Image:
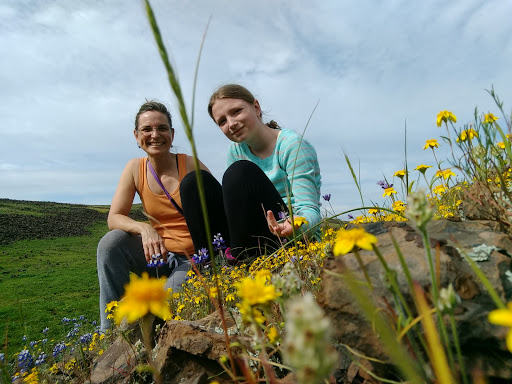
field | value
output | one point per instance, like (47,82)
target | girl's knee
(239,171)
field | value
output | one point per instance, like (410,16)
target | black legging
(237,210)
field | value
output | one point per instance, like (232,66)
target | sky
(74,73)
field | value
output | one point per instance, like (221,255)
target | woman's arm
(120,208)
(300,162)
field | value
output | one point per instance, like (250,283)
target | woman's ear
(136,134)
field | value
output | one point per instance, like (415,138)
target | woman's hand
(152,243)
(283,229)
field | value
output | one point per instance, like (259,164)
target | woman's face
(154,134)
(237,118)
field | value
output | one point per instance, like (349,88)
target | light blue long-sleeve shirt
(293,169)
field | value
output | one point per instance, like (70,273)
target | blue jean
(120,253)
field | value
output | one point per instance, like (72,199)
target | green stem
(146,323)
(363,268)
(462,369)
(428,253)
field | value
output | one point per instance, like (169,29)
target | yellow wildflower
(398,206)
(256,291)
(440,189)
(263,273)
(501,145)
(431,143)
(214,292)
(298,221)
(273,335)
(32,378)
(373,211)
(490,118)
(250,313)
(54,368)
(143,295)
(445,174)
(110,306)
(503,317)
(467,133)
(422,168)
(347,239)
(444,116)
(388,191)
(400,173)
(230,297)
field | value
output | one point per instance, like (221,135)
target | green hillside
(48,267)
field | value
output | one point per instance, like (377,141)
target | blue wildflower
(32,344)
(66,320)
(73,332)
(24,338)
(218,242)
(41,358)
(156,261)
(86,339)
(58,348)
(25,360)
(46,330)
(2,357)
(327,197)
(81,318)
(94,322)
(44,341)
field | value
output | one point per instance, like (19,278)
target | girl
(266,166)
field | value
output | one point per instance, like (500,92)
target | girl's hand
(283,229)
(152,243)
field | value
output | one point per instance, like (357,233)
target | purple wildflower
(281,215)
(350,217)
(327,197)
(384,184)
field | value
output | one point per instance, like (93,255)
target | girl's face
(153,133)
(237,118)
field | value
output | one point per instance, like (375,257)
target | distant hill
(20,219)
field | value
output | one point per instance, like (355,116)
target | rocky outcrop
(480,239)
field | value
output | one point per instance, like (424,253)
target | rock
(187,352)
(115,364)
(477,336)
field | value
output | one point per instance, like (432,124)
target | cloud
(75,74)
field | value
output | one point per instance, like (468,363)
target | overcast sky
(73,74)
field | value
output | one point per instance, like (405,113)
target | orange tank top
(168,222)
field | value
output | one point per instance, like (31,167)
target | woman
(266,165)
(163,182)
